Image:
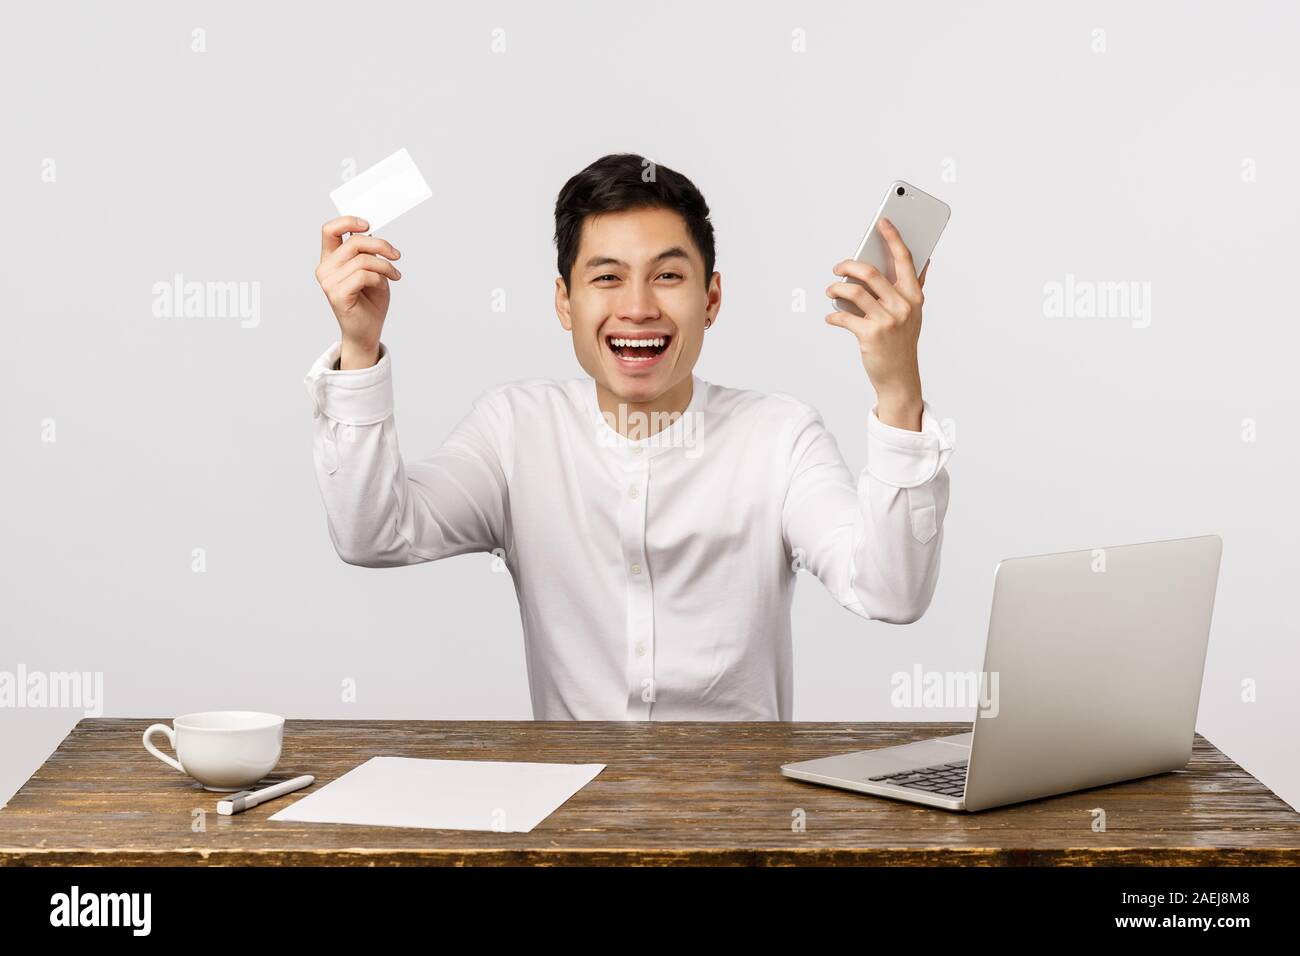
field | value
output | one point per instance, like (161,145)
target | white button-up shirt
(654,577)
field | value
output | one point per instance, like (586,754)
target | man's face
(638,303)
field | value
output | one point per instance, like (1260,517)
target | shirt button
(640,648)
(636,569)
(636,449)
(633,492)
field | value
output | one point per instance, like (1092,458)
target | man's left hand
(888,331)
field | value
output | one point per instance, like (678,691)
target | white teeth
(637,343)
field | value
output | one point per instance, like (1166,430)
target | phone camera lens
(900,190)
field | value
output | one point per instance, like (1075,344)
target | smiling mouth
(640,349)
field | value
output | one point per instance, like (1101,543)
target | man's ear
(562,304)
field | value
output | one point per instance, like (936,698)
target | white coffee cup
(225,750)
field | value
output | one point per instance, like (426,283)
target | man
(653,522)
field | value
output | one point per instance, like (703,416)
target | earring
(707,323)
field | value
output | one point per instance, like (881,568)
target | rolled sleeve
(362,396)
(902,458)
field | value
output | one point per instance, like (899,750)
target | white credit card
(383,192)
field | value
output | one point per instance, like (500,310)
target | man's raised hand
(354,276)
(888,330)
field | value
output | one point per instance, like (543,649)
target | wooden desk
(671,793)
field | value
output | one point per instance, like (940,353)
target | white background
(173,434)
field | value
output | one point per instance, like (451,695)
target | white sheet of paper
(444,794)
(383,192)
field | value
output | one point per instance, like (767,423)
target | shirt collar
(686,431)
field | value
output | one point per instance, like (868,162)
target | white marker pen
(239,802)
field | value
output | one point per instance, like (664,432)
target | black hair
(622,181)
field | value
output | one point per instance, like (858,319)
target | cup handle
(171,736)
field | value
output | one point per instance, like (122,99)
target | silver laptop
(1098,657)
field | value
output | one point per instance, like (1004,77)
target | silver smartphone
(920,219)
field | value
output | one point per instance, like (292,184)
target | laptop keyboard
(948,779)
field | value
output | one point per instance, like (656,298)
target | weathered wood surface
(671,793)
